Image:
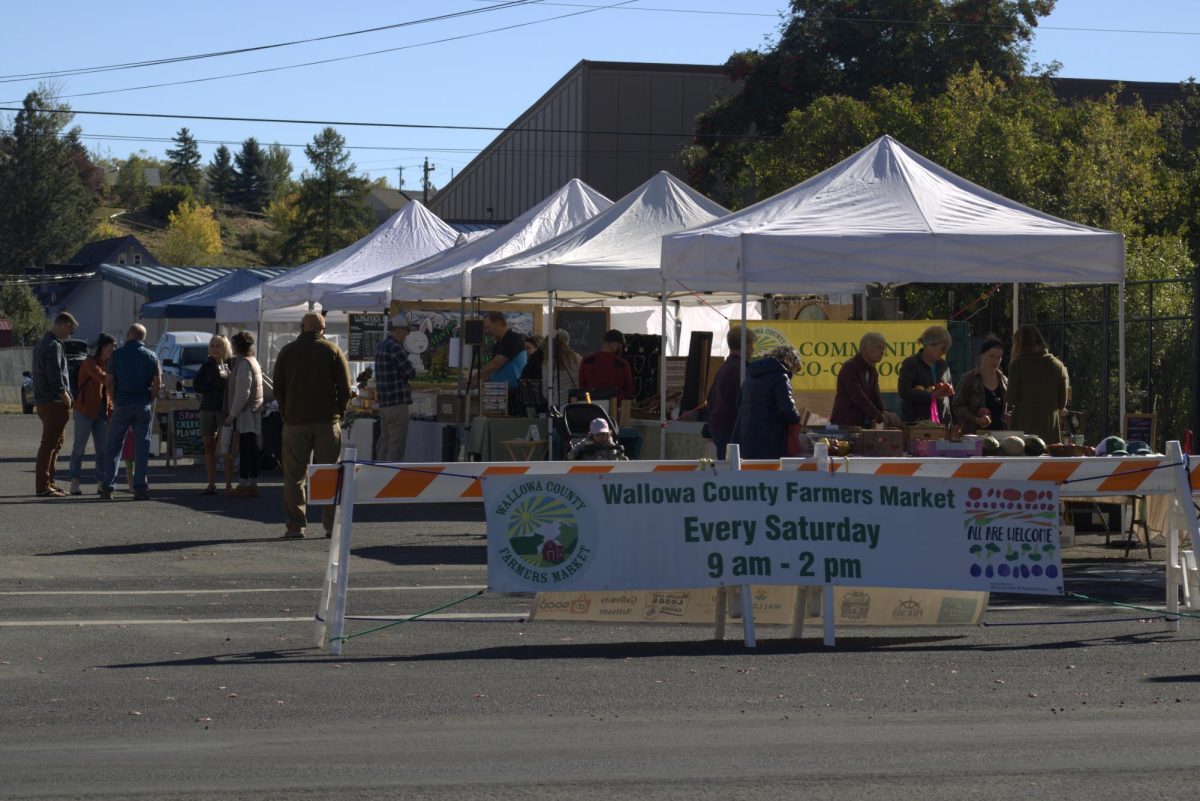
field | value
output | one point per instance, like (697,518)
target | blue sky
(485,79)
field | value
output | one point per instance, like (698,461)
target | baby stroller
(571,424)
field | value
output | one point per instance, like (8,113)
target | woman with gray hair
(920,375)
(766,407)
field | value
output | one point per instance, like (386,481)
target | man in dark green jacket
(312,386)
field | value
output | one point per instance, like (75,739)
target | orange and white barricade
(359,483)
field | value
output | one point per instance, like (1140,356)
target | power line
(402,125)
(30,76)
(264,70)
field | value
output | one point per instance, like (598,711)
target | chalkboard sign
(366,332)
(586,328)
(185,428)
(1140,428)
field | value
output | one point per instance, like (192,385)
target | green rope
(1161,612)
(407,619)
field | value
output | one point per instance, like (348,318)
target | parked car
(182,353)
(76,351)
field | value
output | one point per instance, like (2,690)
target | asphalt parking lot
(163,650)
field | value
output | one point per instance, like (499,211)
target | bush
(164,200)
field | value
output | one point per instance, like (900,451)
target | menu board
(586,327)
(366,332)
(1140,428)
(185,428)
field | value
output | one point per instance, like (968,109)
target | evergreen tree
(45,206)
(249,186)
(220,176)
(331,213)
(184,161)
(277,172)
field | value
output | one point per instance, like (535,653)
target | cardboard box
(912,432)
(881,442)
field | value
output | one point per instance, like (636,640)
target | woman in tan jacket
(244,396)
(1037,386)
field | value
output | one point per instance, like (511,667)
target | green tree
(45,204)
(162,200)
(21,308)
(848,47)
(330,211)
(250,190)
(220,176)
(193,236)
(277,172)
(131,188)
(184,161)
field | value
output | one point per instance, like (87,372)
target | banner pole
(340,544)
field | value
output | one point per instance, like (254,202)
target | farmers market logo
(546,541)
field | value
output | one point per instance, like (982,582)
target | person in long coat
(766,407)
(1037,386)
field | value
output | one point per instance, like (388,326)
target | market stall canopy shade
(409,235)
(201,302)
(613,254)
(447,276)
(887,215)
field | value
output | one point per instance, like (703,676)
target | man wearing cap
(312,387)
(599,445)
(393,372)
(606,370)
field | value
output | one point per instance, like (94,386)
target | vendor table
(488,434)
(424,443)
(683,440)
(525,450)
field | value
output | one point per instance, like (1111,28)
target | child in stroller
(599,445)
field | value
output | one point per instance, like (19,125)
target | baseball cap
(1111,446)
(1138,448)
(599,426)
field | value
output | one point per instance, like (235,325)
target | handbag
(226,442)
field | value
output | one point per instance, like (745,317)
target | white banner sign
(692,530)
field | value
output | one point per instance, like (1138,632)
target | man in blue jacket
(134,379)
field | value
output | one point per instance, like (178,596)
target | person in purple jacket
(723,394)
(858,401)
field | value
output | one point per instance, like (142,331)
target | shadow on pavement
(153,547)
(424,554)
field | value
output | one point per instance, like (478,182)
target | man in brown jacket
(312,386)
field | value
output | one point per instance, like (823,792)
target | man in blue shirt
(134,379)
(393,394)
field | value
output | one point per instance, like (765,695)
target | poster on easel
(1141,428)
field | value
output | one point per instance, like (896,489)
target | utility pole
(425,170)
(400,171)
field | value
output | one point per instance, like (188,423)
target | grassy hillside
(241,235)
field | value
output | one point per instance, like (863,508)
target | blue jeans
(96,430)
(123,417)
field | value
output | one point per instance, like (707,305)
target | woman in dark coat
(983,389)
(766,407)
(920,372)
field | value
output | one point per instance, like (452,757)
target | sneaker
(292,535)
(235,492)
(105,494)
(211,489)
(141,495)
(75,487)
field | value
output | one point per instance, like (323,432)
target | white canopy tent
(409,235)
(889,215)
(440,276)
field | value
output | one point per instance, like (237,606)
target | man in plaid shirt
(393,395)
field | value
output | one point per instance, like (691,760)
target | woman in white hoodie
(245,402)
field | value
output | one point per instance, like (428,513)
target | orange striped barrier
(454,482)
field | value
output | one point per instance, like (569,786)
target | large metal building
(610,124)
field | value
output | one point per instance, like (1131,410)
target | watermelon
(1034,445)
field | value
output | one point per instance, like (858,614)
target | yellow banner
(825,345)
(853,606)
